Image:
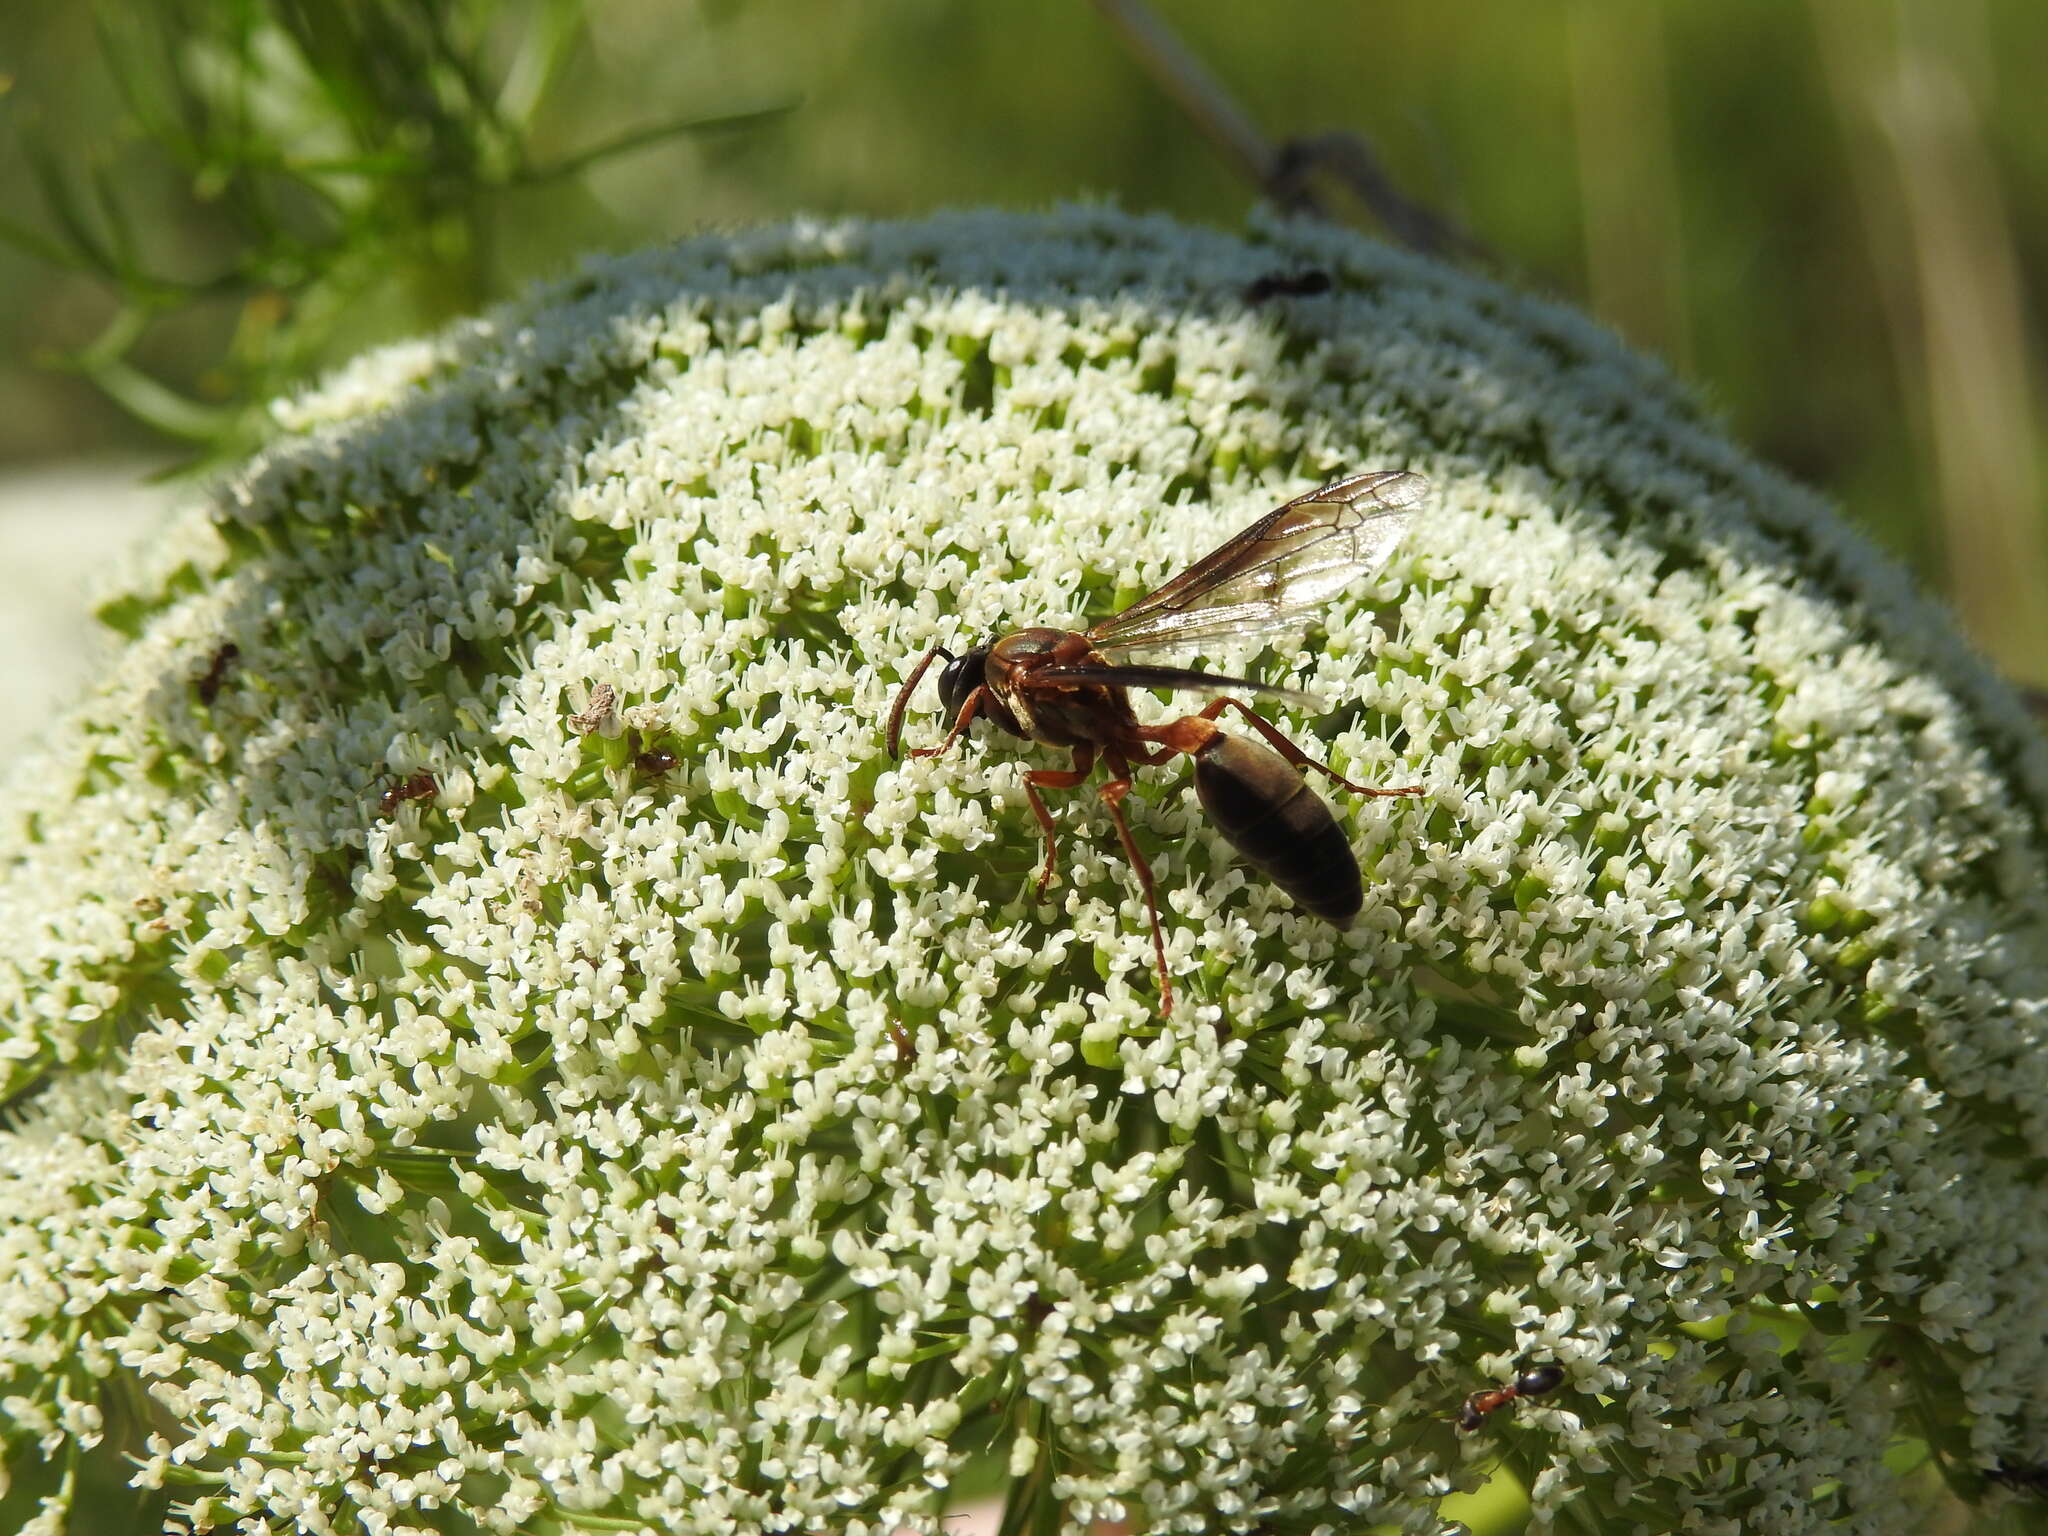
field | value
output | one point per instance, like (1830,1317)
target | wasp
(1536,1381)
(1066,688)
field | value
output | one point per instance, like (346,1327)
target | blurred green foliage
(1827,214)
(331,166)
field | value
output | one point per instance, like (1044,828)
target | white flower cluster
(504,1048)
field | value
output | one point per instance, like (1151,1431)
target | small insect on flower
(1293,285)
(2021,1476)
(593,718)
(906,1048)
(656,761)
(208,684)
(1536,1381)
(1063,688)
(421,786)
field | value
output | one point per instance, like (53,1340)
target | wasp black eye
(962,676)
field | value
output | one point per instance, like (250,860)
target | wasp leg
(1055,778)
(1112,795)
(1191,733)
(967,713)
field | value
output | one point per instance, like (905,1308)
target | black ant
(2021,1477)
(208,684)
(1536,1381)
(1292,285)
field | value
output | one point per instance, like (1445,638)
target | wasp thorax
(962,676)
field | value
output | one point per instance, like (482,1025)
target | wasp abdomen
(1279,826)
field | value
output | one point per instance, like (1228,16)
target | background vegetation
(1827,213)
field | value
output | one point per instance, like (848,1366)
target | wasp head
(962,676)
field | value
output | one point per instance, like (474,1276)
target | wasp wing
(1274,574)
(1160,677)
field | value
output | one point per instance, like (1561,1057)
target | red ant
(1536,1381)
(421,786)
(656,761)
(906,1048)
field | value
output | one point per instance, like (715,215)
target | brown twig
(1347,158)
(1285,172)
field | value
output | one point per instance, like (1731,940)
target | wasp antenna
(895,734)
(1296,698)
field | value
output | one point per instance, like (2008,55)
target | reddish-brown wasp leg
(967,714)
(1055,778)
(1290,751)
(1112,793)
(894,736)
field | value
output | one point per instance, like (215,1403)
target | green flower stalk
(512,1053)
